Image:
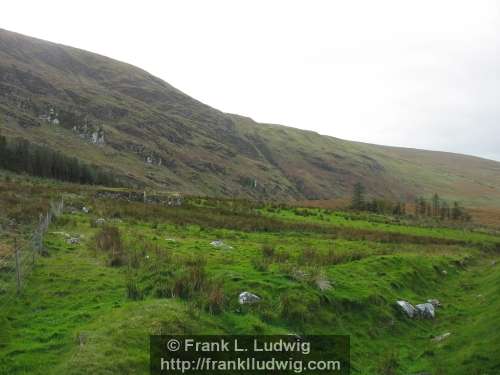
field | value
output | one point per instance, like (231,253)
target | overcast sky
(422,74)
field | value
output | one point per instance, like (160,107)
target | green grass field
(86,309)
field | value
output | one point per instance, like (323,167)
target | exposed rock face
(426,310)
(50,118)
(247,298)
(407,308)
(90,133)
(97,137)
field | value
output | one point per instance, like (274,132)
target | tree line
(440,208)
(21,156)
(435,207)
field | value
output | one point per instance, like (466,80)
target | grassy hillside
(117,116)
(85,309)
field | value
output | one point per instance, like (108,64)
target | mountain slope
(118,116)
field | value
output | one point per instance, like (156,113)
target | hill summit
(121,118)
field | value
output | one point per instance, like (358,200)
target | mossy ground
(74,315)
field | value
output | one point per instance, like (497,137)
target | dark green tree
(358,197)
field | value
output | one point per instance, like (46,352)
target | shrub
(267,251)
(293,308)
(281,256)
(109,239)
(309,255)
(133,290)
(261,265)
(216,298)
(389,364)
(190,279)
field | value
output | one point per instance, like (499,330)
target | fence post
(18,267)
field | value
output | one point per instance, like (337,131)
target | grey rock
(100,221)
(220,244)
(426,310)
(434,302)
(86,209)
(323,284)
(247,298)
(73,241)
(441,337)
(407,308)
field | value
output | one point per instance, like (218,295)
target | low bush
(109,239)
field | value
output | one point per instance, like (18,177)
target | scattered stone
(73,241)
(407,308)
(441,337)
(444,272)
(100,221)
(86,209)
(426,310)
(220,244)
(82,339)
(323,284)
(434,302)
(493,263)
(247,298)
(299,274)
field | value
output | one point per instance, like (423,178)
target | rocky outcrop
(92,134)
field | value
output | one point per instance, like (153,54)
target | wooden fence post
(18,267)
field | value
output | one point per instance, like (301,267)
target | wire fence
(16,266)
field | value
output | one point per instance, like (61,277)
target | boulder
(73,241)
(100,221)
(434,302)
(407,308)
(86,209)
(323,284)
(247,298)
(220,244)
(426,310)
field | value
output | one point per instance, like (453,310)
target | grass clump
(109,240)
